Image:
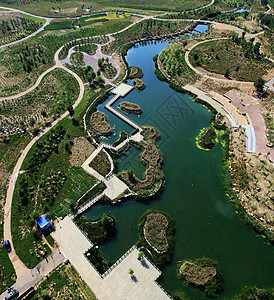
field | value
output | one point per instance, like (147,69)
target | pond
(206,223)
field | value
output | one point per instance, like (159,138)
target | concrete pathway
(33,276)
(116,284)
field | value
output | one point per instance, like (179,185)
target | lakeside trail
(20,269)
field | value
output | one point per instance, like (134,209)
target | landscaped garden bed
(98,231)
(77,58)
(101,163)
(235,58)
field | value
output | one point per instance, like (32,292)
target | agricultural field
(50,99)
(50,185)
(14,26)
(75,8)
(234,58)
(63,283)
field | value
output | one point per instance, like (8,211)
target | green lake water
(194,197)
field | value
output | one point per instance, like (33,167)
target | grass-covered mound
(202,273)
(130,108)
(206,138)
(156,236)
(98,231)
(135,72)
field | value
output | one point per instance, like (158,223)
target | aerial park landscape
(136,150)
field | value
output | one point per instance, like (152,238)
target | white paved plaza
(116,285)
(122,89)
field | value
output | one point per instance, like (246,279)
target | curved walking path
(48,20)
(18,265)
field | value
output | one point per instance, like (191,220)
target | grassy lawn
(35,19)
(63,283)
(223,55)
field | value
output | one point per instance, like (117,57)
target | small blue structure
(43,223)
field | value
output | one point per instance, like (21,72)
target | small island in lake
(156,236)
(202,273)
(130,108)
(99,124)
(206,138)
(138,84)
(135,72)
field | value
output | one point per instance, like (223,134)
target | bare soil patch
(80,151)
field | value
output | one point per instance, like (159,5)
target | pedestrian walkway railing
(86,205)
(119,261)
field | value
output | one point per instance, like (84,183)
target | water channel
(194,197)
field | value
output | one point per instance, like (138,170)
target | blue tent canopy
(43,223)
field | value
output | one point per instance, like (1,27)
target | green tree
(259,84)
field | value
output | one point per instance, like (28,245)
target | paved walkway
(250,106)
(117,284)
(33,276)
